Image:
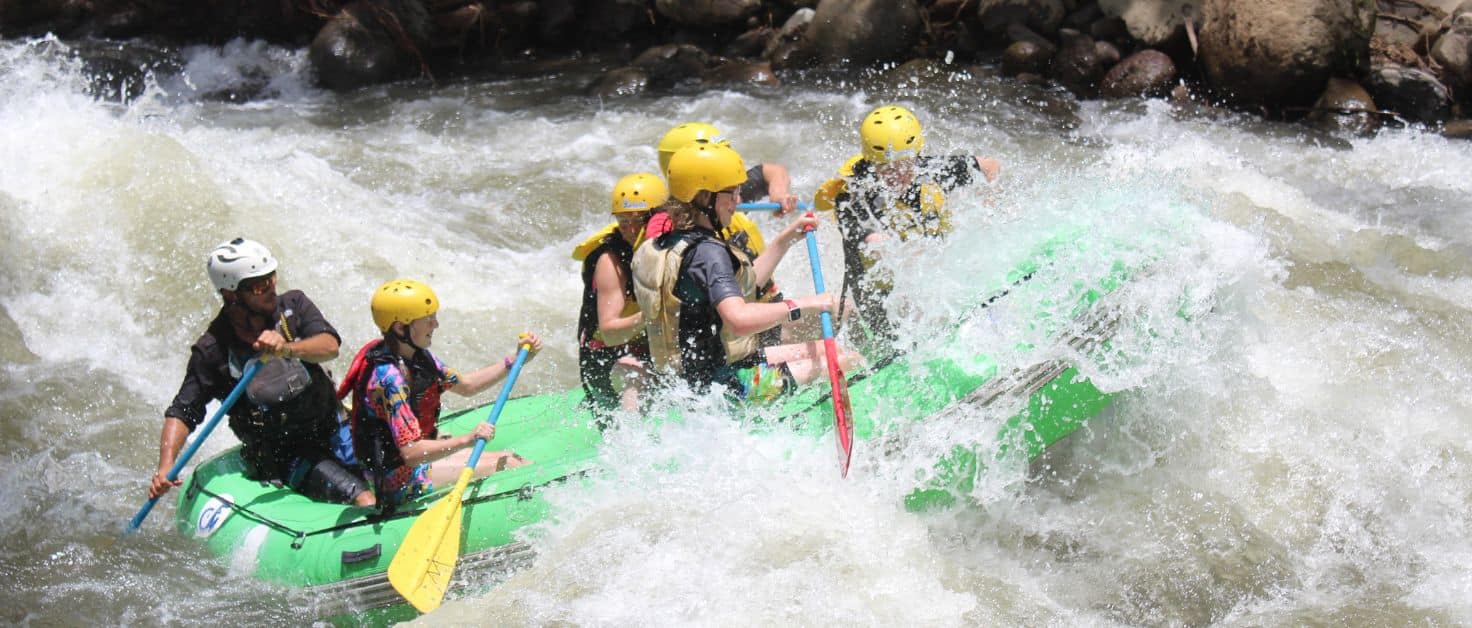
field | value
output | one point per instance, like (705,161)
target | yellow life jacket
(741,223)
(656,271)
(586,247)
(929,218)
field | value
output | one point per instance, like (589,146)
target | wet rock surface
(1411,60)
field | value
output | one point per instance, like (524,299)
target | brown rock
(1154,22)
(1458,129)
(1149,73)
(1076,65)
(864,31)
(356,48)
(625,81)
(1025,57)
(742,73)
(1453,50)
(671,63)
(1345,106)
(1267,52)
(1409,92)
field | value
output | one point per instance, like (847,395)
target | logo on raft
(213,515)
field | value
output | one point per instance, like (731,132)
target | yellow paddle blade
(425,561)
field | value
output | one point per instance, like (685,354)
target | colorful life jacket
(658,267)
(373,440)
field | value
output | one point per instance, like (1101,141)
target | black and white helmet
(238,260)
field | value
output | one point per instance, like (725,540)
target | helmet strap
(708,207)
(403,338)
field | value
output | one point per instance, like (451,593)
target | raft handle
(361,555)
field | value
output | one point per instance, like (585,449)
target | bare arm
(422,451)
(170,441)
(779,187)
(989,167)
(472,383)
(317,349)
(608,282)
(766,263)
(745,318)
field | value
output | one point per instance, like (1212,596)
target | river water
(1291,441)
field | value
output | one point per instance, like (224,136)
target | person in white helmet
(289,423)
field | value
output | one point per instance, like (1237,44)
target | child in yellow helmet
(888,191)
(610,327)
(396,385)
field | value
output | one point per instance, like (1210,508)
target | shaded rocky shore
(1351,65)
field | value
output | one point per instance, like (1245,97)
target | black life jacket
(301,427)
(588,314)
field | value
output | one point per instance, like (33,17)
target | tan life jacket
(656,271)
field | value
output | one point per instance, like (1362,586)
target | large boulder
(864,31)
(707,12)
(1153,22)
(1146,73)
(1453,51)
(1268,52)
(370,42)
(1409,92)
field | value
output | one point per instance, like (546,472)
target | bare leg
(633,374)
(808,361)
(446,471)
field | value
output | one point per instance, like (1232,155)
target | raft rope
(299,536)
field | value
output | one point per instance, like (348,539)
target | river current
(1290,442)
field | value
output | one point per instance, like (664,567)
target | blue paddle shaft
(769,207)
(480,443)
(827,318)
(209,426)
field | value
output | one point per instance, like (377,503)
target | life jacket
(589,335)
(373,440)
(658,268)
(273,436)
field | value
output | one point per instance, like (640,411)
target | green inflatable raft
(341,553)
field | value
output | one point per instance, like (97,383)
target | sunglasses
(259,286)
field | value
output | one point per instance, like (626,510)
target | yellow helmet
(683,135)
(703,166)
(639,192)
(847,169)
(891,133)
(402,301)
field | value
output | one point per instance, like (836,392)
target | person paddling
(289,423)
(891,191)
(610,327)
(396,383)
(698,291)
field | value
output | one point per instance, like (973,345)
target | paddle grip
(250,372)
(480,443)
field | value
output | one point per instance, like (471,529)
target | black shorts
(325,480)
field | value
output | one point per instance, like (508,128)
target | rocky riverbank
(1351,65)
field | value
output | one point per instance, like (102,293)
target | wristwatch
(793,312)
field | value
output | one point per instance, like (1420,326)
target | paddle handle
(250,372)
(769,207)
(842,421)
(480,443)
(827,318)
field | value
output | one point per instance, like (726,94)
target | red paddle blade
(843,420)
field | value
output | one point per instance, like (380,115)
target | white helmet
(238,260)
